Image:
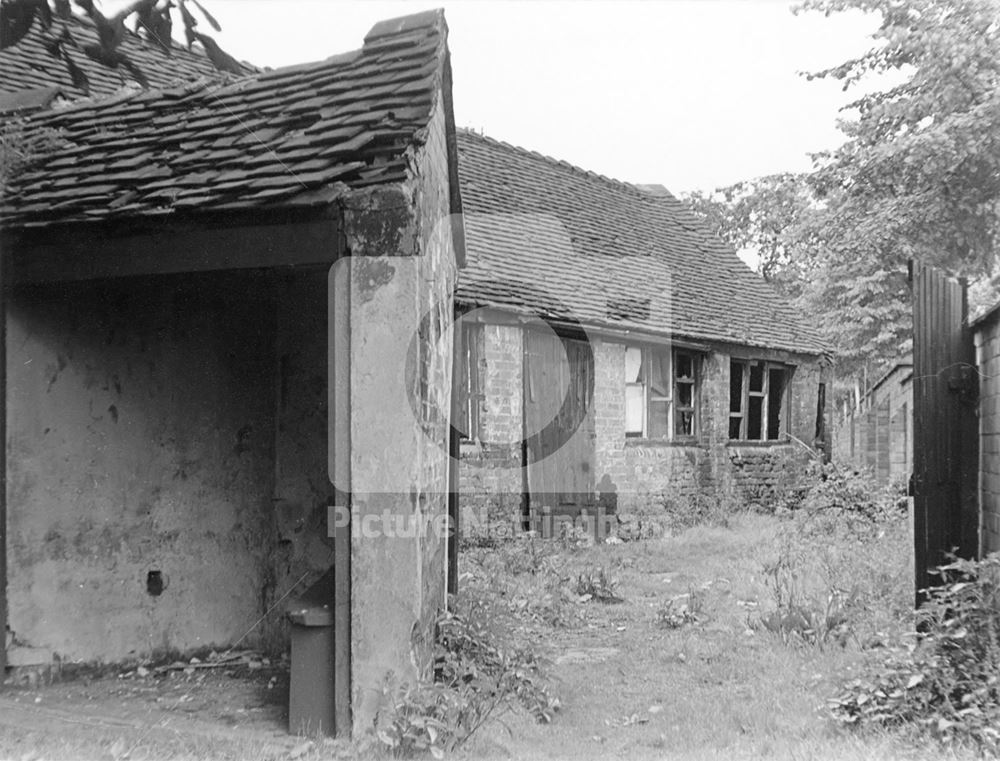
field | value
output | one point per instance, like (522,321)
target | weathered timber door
(558,422)
(945,424)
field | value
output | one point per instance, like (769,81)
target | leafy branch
(19,17)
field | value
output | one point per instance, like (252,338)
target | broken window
(660,393)
(757,400)
(472,381)
(685,380)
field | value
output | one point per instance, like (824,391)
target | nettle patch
(475,679)
(944,682)
(838,571)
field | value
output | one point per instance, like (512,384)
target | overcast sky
(688,94)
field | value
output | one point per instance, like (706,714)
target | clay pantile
(545,237)
(264,140)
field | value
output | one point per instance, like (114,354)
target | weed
(523,578)
(475,680)
(597,584)
(945,682)
(681,610)
(21,146)
(711,509)
(575,538)
(839,562)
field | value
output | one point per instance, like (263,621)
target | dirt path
(631,685)
(226,714)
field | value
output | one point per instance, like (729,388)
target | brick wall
(879,436)
(650,477)
(490,475)
(988,361)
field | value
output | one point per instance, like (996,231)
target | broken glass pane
(734,427)
(685,394)
(684,423)
(755,418)
(775,392)
(735,388)
(685,365)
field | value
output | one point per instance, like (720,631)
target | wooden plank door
(945,424)
(558,422)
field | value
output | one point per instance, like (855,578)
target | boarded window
(757,400)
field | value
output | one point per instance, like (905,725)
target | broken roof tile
(541,232)
(221,142)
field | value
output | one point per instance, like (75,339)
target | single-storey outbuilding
(617,352)
(209,291)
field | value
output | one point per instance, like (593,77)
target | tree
(766,216)
(918,176)
(18,17)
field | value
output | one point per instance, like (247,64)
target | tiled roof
(291,137)
(547,238)
(28,64)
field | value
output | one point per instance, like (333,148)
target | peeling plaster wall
(403,271)
(140,438)
(302,488)
(649,476)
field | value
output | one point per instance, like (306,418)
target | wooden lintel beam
(91,255)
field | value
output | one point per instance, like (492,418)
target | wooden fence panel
(945,428)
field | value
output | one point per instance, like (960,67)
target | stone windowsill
(687,443)
(739,444)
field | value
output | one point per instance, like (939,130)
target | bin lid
(314,607)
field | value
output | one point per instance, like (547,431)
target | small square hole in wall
(154,583)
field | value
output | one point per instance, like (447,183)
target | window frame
(648,351)
(746,394)
(473,382)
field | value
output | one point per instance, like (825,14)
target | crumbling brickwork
(650,477)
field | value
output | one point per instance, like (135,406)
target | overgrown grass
(638,679)
(944,683)
(839,569)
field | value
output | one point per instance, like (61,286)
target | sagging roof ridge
(635,188)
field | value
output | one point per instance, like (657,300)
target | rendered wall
(402,272)
(141,438)
(302,487)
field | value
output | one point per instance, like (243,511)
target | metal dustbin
(310,699)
